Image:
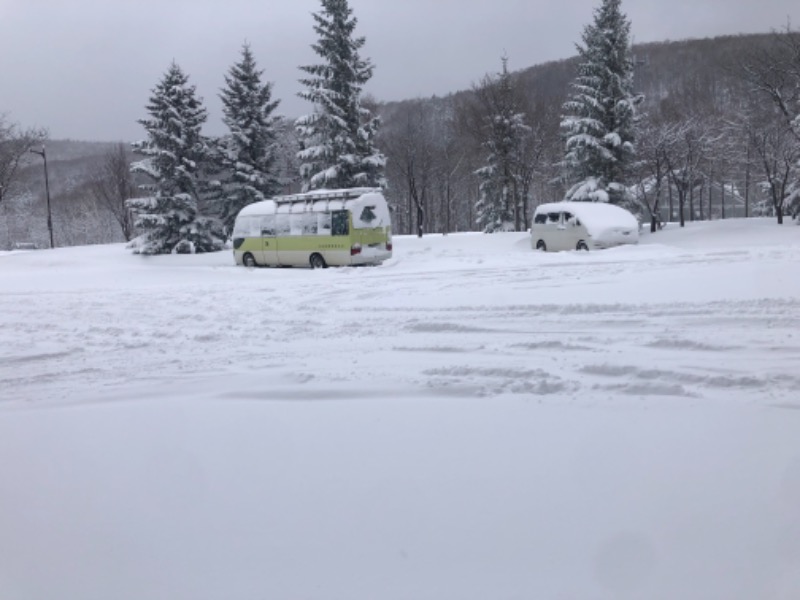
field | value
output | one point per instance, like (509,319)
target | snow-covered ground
(470,420)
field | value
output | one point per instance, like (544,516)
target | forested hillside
(698,108)
(77,216)
(700,119)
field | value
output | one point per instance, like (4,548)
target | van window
(540,218)
(553,218)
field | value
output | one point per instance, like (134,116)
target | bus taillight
(389,246)
(355,249)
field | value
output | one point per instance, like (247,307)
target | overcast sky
(85,68)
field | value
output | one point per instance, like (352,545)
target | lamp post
(43,154)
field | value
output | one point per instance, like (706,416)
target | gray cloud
(85,69)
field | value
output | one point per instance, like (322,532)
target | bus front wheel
(317,262)
(249,260)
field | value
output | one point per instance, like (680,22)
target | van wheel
(582,246)
(540,245)
(249,260)
(317,262)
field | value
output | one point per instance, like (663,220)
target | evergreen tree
(502,187)
(249,153)
(174,152)
(337,139)
(600,114)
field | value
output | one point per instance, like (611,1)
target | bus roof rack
(343,194)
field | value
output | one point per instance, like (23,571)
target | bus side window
(282,224)
(540,218)
(268,226)
(368,215)
(553,218)
(296,222)
(309,223)
(324,223)
(241,227)
(339,223)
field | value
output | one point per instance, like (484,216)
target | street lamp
(43,154)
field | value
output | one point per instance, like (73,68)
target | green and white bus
(316,229)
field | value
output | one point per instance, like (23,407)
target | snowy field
(472,420)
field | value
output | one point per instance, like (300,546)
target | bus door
(268,253)
(342,242)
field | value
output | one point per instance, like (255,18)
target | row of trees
(337,147)
(714,140)
(709,141)
(197,185)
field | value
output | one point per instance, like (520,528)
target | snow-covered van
(582,226)
(316,229)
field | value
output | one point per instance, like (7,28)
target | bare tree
(408,141)
(112,186)
(15,143)
(775,73)
(777,155)
(684,156)
(655,140)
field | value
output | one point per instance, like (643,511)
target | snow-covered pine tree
(600,114)
(168,218)
(337,139)
(501,188)
(249,154)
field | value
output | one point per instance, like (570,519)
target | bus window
(309,223)
(282,224)
(268,226)
(368,215)
(243,226)
(296,223)
(324,223)
(540,218)
(339,223)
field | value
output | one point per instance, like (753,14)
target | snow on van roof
(595,215)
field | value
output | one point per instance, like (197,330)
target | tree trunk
(421,213)
(747,185)
(410,209)
(447,224)
(671,206)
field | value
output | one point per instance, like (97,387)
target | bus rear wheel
(582,246)
(317,262)
(249,260)
(540,245)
